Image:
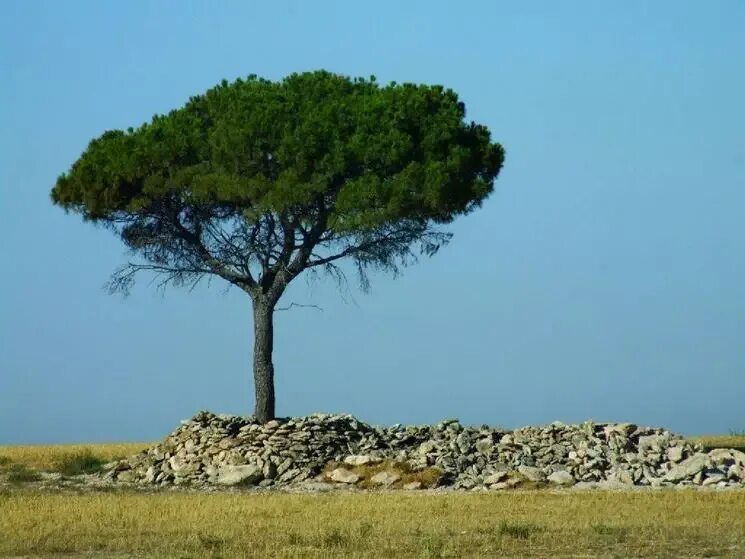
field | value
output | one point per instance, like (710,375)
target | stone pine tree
(256,181)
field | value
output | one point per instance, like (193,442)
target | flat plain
(47,521)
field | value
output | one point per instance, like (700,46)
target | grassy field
(522,523)
(51,457)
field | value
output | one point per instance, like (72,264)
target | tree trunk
(263,367)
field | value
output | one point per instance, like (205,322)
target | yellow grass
(379,524)
(721,441)
(522,523)
(47,457)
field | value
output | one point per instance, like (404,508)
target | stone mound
(224,450)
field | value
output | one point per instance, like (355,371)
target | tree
(256,181)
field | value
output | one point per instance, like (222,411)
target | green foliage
(255,178)
(257,181)
(77,463)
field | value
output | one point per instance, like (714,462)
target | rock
(412,485)
(127,476)
(623,429)
(342,475)
(688,467)
(531,473)
(727,456)
(736,472)
(385,478)
(269,471)
(584,485)
(675,453)
(426,447)
(621,476)
(496,477)
(284,466)
(739,457)
(484,446)
(361,460)
(214,449)
(713,479)
(654,442)
(561,477)
(463,442)
(150,475)
(234,475)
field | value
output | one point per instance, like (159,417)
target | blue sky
(604,279)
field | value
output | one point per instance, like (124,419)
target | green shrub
(18,473)
(77,463)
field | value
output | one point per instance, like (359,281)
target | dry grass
(380,524)
(52,457)
(721,441)
(523,523)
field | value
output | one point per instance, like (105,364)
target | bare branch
(288,307)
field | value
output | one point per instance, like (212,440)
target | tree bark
(263,366)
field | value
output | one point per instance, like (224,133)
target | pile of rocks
(229,450)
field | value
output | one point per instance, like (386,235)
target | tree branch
(288,307)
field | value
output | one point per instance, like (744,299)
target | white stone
(675,453)
(361,459)
(426,447)
(248,474)
(385,478)
(688,467)
(624,429)
(496,477)
(127,476)
(150,475)
(342,475)
(712,479)
(531,473)
(621,476)
(561,478)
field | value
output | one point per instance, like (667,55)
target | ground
(54,521)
